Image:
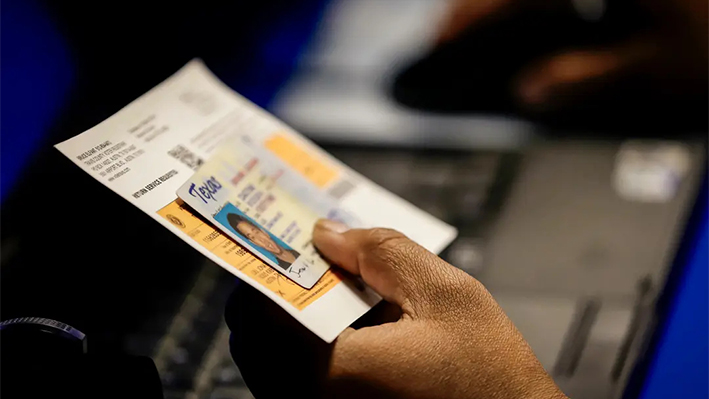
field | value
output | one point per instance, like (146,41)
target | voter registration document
(250,189)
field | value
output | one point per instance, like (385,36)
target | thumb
(397,268)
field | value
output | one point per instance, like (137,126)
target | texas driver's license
(250,189)
(253,196)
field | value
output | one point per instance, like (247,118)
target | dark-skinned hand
(439,333)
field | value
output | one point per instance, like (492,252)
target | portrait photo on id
(260,239)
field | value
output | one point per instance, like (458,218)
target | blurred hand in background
(670,55)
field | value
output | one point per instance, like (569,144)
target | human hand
(448,338)
(667,58)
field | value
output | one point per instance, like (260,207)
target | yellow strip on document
(319,173)
(236,256)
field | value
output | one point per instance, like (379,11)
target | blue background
(678,360)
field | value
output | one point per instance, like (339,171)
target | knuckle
(387,244)
(380,235)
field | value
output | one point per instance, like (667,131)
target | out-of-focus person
(669,53)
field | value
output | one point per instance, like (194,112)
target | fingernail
(330,225)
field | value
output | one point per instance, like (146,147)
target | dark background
(66,66)
(74,251)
